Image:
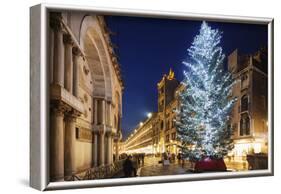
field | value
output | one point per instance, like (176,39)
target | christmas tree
(206,102)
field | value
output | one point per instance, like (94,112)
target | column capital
(67,39)
(57,111)
(70,117)
(76,51)
(58,108)
(73,114)
(108,134)
(55,21)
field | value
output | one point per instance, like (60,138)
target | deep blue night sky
(147,48)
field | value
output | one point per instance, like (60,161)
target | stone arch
(96,55)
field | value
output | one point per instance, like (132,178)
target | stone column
(101,148)
(56,144)
(69,143)
(95,111)
(76,55)
(108,148)
(108,114)
(68,70)
(111,148)
(58,62)
(95,149)
(117,150)
(103,112)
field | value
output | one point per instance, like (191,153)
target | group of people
(167,158)
(132,163)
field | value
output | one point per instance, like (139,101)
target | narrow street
(152,167)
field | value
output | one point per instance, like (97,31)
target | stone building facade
(249,115)
(167,105)
(85,94)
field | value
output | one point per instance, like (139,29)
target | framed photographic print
(123,97)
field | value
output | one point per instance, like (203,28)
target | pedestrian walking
(128,167)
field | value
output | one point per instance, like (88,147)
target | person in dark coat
(142,159)
(128,167)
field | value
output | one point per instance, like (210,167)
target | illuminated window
(244,124)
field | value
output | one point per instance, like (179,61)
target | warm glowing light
(246,148)
(141,123)
(149,115)
(146,150)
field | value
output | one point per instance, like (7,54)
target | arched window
(244,103)
(244,124)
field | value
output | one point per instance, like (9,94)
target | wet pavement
(152,167)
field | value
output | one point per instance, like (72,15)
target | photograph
(134,96)
(140,96)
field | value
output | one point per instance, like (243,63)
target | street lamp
(149,115)
(141,123)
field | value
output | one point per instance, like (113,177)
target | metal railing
(100,172)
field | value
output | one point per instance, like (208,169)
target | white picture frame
(39,107)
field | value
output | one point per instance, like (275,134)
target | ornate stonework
(67,39)
(55,21)
(81,95)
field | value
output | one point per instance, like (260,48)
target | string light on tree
(202,119)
